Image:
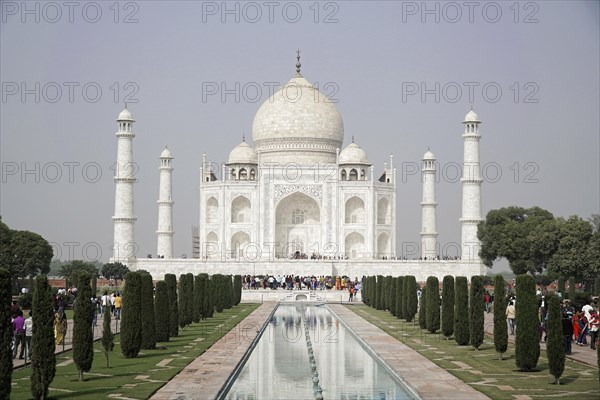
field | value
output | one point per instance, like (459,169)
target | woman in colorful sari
(60,326)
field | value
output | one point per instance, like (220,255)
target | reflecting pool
(302,339)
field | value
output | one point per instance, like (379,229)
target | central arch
(297,226)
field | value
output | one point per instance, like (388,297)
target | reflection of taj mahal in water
(296,196)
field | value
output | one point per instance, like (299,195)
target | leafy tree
(571,255)
(108,338)
(43,360)
(462,336)
(410,298)
(432,308)
(114,270)
(72,270)
(148,316)
(400,297)
(393,296)
(83,334)
(171,281)
(572,288)
(131,328)
(379,304)
(511,233)
(500,325)
(6,363)
(561,285)
(527,346)
(476,311)
(161,311)
(237,289)
(554,344)
(29,254)
(448,306)
(423,309)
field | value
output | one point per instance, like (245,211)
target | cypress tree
(500,325)
(527,346)
(43,360)
(131,327)
(597,287)
(6,363)
(237,289)
(161,312)
(448,306)
(228,291)
(198,293)
(423,309)
(108,337)
(432,309)
(209,302)
(83,334)
(409,305)
(572,289)
(171,281)
(554,345)
(476,311)
(388,293)
(186,298)
(393,296)
(190,296)
(379,305)
(148,316)
(400,297)
(461,315)
(561,286)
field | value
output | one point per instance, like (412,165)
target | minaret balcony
(124,219)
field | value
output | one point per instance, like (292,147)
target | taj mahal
(296,201)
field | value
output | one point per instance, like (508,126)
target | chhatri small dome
(125,115)
(166,153)
(243,153)
(471,117)
(298,124)
(353,154)
(429,155)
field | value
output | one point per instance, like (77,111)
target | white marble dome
(243,153)
(166,153)
(471,117)
(353,154)
(125,115)
(298,124)
(428,156)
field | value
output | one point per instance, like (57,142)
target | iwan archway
(297,226)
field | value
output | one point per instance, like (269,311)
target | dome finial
(126,105)
(352,138)
(298,65)
(244,137)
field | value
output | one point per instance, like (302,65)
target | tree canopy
(116,271)
(72,270)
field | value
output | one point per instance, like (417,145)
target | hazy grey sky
(394,67)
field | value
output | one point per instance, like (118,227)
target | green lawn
(136,378)
(483,370)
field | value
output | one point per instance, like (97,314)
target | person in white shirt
(28,335)
(587,309)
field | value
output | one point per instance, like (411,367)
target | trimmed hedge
(148,315)
(476,311)
(500,324)
(423,309)
(161,312)
(393,296)
(83,334)
(131,315)
(527,346)
(400,306)
(448,306)
(43,359)
(554,346)
(432,315)
(409,305)
(171,280)
(461,313)
(237,289)
(379,304)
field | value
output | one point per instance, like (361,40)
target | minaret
(164,232)
(428,205)
(124,246)
(471,189)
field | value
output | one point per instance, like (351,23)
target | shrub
(432,308)
(83,334)
(554,345)
(476,311)
(527,346)
(461,314)
(400,297)
(500,325)
(448,306)
(148,316)
(43,359)
(171,281)
(131,327)
(161,312)
(409,306)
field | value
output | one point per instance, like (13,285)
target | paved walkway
(68,342)
(421,375)
(204,377)
(582,354)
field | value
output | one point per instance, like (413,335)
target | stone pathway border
(421,375)
(204,377)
